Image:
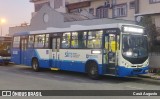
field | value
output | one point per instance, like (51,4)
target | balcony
(35,0)
(81,4)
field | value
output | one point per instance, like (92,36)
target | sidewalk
(151,75)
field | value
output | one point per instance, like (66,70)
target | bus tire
(6,63)
(35,65)
(92,71)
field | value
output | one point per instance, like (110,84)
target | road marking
(133,87)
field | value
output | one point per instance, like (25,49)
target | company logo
(6,93)
(91,56)
(72,55)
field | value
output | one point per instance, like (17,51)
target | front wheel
(35,65)
(93,71)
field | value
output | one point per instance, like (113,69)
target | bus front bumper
(124,72)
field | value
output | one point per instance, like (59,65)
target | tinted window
(66,40)
(94,39)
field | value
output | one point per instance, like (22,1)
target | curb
(153,76)
(150,79)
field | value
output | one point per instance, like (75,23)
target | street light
(2,21)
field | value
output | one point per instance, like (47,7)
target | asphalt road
(14,77)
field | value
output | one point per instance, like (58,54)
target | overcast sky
(15,12)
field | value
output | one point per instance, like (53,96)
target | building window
(154,1)
(39,6)
(102,12)
(120,10)
(132,5)
(91,11)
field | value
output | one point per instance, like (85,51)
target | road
(14,77)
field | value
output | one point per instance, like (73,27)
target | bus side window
(47,41)
(39,41)
(82,38)
(74,42)
(31,41)
(66,40)
(95,39)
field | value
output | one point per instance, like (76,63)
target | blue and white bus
(5,52)
(109,49)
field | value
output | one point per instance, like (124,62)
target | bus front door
(55,52)
(110,55)
(23,53)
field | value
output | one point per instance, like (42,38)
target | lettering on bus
(72,55)
(91,56)
(15,52)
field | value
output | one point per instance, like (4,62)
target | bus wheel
(6,63)
(35,65)
(93,71)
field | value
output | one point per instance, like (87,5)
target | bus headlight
(129,53)
(146,71)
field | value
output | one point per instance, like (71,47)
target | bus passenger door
(23,49)
(55,52)
(110,55)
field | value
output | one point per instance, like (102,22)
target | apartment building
(150,8)
(118,9)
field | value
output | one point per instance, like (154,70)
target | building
(149,8)
(53,14)
(117,9)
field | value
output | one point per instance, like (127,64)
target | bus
(5,45)
(110,49)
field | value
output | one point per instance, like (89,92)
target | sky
(15,12)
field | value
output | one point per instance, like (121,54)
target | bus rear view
(5,45)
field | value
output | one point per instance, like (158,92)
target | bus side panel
(75,59)
(15,56)
(76,66)
(29,56)
(43,56)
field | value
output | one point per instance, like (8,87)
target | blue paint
(15,57)
(123,72)
(76,66)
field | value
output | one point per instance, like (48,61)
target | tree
(150,30)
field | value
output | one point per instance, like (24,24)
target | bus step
(55,69)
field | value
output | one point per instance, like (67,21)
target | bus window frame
(55,35)
(44,41)
(86,38)
(118,32)
(33,41)
(24,37)
(19,42)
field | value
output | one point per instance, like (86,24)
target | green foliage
(151,31)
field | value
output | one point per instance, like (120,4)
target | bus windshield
(134,46)
(5,48)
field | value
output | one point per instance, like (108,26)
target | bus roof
(76,28)
(81,28)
